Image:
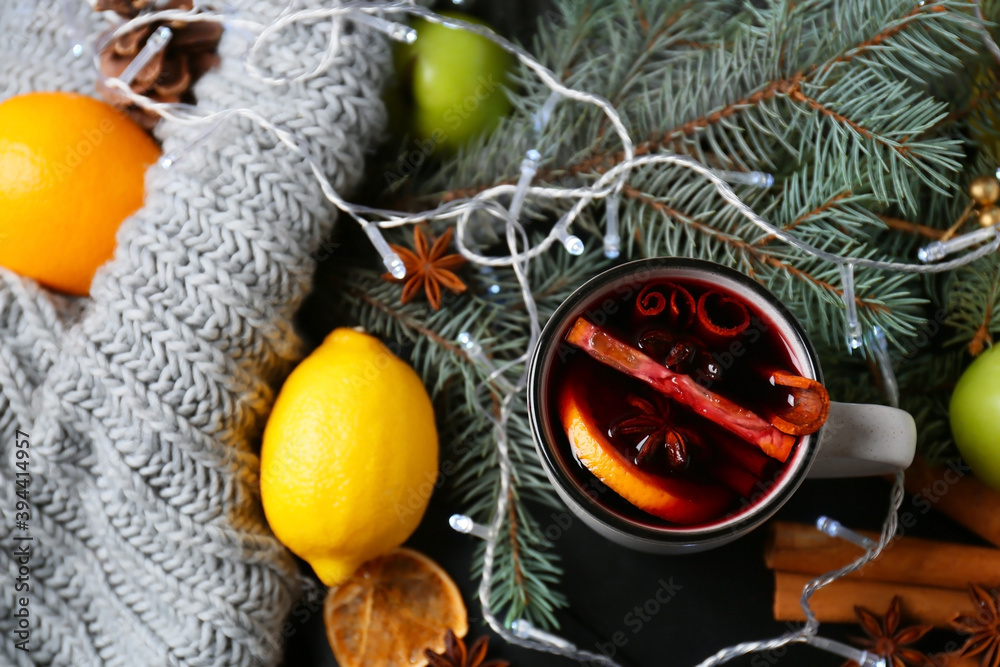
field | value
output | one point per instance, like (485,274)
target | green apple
(975,416)
(456,79)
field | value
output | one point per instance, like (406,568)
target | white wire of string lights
(379,15)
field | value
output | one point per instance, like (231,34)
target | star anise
(656,435)
(889,641)
(984,627)
(428,267)
(455,654)
(169,76)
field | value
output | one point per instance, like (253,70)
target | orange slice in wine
(391,609)
(677,500)
(808,409)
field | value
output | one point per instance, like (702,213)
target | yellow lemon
(350,455)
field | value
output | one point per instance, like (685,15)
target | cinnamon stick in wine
(621,356)
(794,547)
(954,491)
(835,603)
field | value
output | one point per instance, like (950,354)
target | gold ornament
(989,216)
(985,190)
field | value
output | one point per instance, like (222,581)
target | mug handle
(862,439)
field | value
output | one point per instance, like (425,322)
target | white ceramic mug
(856,440)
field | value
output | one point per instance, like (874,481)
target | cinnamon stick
(835,603)
(621,356)
(954,491)
(793,547)
(953,660)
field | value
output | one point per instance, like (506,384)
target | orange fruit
(391,609)
(679,501)
(72,169)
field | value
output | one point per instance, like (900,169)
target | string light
(607,186)
(941,249)
(529,167)
(542,116)
(168,160)
(757,179)
(526,630)
(863,658)
(393,264)
(76,46)
(465,525)
(612,242)
(854,330)
(395,31)
(475,352)
(572,242)
(879,346)
(834,528)
(156,43)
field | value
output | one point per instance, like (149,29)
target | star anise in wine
(984,627)
(455,654)
(888,640)
(428,266)
(656,436)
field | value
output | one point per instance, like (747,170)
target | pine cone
(127,8)
(168,77)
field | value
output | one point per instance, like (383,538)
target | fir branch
(974,304)
(869,114)
(527,570)
(912,227)
(813,213)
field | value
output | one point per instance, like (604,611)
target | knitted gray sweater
(142,406)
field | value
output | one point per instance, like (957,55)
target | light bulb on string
(541,117)
(571,242)
(464,524)
(393,264)
(470,345)
(879,347)
(757,179)
(489,275)
(475,352)
(529,167)
(612,241)
(834,528)
(854,331)
(941,249)
(76,46)
(156,43)
(395,31)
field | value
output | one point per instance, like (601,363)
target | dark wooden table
(722,596)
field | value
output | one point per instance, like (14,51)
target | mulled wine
(680,402)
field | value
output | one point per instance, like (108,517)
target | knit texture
(145,403)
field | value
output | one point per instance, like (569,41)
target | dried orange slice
(391,609)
